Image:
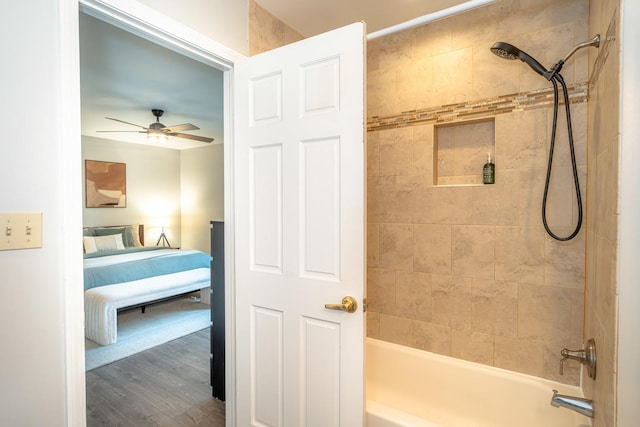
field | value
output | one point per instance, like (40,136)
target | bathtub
(413,388)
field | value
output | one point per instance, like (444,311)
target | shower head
(507,51)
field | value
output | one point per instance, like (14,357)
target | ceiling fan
(158,131)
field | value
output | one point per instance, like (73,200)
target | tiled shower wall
(602,209)
(267,32)
(468,270)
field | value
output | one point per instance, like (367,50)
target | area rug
(140,331)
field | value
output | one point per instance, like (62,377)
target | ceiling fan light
(156,136)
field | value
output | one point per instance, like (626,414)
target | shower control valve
(587,357)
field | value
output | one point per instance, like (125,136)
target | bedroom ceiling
(124,76)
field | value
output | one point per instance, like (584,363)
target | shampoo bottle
(489,171)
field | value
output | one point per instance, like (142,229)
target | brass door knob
(349,304)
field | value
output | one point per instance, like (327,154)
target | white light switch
(20,230)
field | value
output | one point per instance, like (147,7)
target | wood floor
(167,385)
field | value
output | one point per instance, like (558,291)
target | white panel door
(300,232)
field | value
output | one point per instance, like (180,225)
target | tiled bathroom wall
(602,209)
(267,32)
(468,270)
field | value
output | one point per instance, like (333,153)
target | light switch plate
(20,230)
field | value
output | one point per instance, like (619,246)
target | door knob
(349,304)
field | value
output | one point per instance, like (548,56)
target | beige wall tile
(373,245)
(413,295)
(423,150)
(565,260)
(414,196)
(494,307)
(497,204)
(472,346)
(433,338)
(451,301)
(519,355)
(530,197)
(561,152)
(396,246)
(518,17)
(373,153)
(452,76)
(452,205)
(577,318)
(446,146)
(373,324)
(396,330)
(544,314)
(381,93)
(520,254)
(521,140)
(414,84)
(382,201)
(472,251)
(431,40)
(561,198)
(381,290)
(432,248)
(396,152)
(493,76)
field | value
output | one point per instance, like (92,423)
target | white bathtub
(413,388)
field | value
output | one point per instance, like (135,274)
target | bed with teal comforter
(134,276)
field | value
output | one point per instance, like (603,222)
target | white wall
(202,193)
(153,187)
(32,282)
(629,242)
(226,21)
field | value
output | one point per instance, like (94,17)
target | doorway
(179,45)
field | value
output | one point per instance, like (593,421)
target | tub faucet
(578,404)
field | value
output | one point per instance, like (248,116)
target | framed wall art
(105,184)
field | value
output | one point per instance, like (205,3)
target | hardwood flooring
(167,386)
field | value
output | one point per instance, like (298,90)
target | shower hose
(558,77)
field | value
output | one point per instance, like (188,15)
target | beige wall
(202,194)
(602,208)
(153,187)
(468,271)
(267,32)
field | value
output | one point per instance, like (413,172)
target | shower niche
(460,152)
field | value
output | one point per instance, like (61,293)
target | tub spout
(578,404)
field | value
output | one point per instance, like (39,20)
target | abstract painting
(105,184)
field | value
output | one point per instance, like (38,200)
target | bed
(120,272)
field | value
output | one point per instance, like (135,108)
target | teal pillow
(87,231)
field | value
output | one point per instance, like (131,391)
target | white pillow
(102,243)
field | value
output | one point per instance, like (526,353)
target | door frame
(162,30)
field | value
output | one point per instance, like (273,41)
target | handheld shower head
(508,51)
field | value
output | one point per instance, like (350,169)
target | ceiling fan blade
(194,137)
(128,123)
(136,131)
(180,128)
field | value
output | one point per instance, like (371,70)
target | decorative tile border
(541,98)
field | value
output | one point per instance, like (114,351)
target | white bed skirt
(101,304)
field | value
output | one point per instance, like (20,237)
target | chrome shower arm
(595,41)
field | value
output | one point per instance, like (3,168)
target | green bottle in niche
(489,171)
